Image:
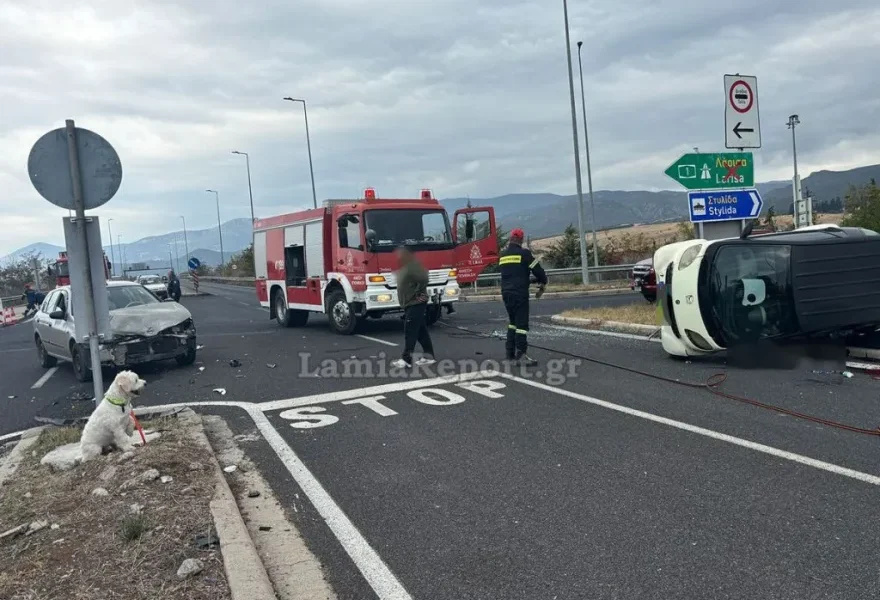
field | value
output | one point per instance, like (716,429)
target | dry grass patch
(126,545)
(641,313)
(555,287)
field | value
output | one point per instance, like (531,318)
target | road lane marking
(784,454)
(384,583)
(377,340)
(44,378)
(16,350)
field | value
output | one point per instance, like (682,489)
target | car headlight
(689,256)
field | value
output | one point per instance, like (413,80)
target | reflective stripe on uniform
(511,326)
(513,259)
(522,331)
(534,264)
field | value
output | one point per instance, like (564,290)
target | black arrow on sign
(737,129)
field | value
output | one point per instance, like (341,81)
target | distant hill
(539,214)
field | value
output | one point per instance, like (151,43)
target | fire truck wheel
(433,314)
(287,317)
(341,316)
(80,359)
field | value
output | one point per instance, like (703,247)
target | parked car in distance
(144,329)
(154,284)
(644,279)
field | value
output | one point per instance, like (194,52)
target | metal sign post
(95,174)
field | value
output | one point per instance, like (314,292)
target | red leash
(140,429)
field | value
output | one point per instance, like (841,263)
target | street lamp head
(237,152)
(294,99)
(580,44)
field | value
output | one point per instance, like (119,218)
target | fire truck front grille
(435,277)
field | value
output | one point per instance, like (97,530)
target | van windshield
(749,294)
(422,229)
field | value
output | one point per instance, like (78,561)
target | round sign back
(100,168)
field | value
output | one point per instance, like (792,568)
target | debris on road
(271,365)
(199,347)
(230,469)
(201,369)
(253,494)
(190,567)
(234,363)
(221,391)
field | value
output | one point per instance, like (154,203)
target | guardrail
(13,301)
(571,275)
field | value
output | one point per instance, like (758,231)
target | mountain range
(539,214)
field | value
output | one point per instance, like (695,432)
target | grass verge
(127,544)
(641,313)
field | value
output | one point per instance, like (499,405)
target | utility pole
(803,211)
(219,226)
(185,241)
(112,256)
(309,146)
(589,169)
(585,273)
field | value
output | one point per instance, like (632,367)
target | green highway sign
(728,170)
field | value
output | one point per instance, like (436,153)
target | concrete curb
(618,326)
(245,573)
(10,464)
(584,294)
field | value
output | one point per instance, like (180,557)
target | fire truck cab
(61,269)
(339,259)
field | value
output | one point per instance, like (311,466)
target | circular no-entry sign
(741,96)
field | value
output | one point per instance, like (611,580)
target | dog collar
(120,402)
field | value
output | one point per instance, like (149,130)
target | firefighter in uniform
(518,265)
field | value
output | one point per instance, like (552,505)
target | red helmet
(517,234)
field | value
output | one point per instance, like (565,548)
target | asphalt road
(586,481)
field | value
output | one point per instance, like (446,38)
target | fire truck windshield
(422,229)
(62,269)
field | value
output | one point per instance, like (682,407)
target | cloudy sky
(467,97)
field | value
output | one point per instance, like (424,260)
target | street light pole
(219,227)
(185,241)
(589,169)
(250,191)
(112,256)
(309,146)
(585,273)
(121,253)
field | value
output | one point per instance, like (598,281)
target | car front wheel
(46,361)
(190,357)
(79,356)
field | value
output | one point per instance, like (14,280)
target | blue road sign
(724,205)
(194,263)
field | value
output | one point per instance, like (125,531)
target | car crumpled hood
(136,320)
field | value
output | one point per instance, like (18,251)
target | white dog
(111,423)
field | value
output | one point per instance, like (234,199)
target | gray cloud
(467,98)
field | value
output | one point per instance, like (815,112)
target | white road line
(16,350)
(372,567)
(377,340)
(399,386)
(44,378)
(628,336)
(797,458)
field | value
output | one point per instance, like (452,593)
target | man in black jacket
(517,265)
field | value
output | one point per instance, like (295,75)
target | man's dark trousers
(517,307)
(415,329)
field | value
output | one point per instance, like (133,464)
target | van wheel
(80,359)
(46,361)
(341,316)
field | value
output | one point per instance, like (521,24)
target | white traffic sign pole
(88,301)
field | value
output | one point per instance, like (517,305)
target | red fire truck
(339,259)
(61,270)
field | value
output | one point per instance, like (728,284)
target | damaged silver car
(144,329)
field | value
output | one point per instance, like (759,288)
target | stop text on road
(742,124)
(314,416)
